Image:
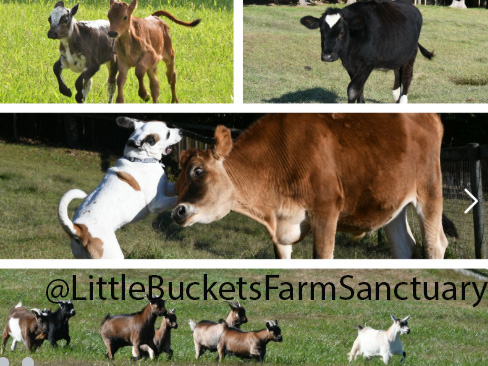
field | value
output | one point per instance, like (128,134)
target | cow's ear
(223,143)
(310,22)
(112,2)
(356,22)
(185,157)
(59,4)
(74,10)
(132,6)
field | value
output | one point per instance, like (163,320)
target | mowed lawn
(33,178)
(204,54)
(315,332)
(282,59)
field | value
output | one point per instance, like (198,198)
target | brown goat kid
(132,329)
(206,334)
(142,43)
(248,344)
(29,327)
(162,336)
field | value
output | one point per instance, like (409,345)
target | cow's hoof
(79,98)
(66,92)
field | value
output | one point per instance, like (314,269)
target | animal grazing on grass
(142,43)
(58,323)
(378,34)
(383,343)
(294,173)
(206,334)
(133,329)
(136,186)
(84,46)
(248,344)
(29,327)
(162,336)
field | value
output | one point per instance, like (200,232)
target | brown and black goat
(162,336)
(247,344)
(29,327)
(133,329)
(206,333)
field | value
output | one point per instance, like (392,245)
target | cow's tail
(449,227)
(163,13)
(426,53)
(63,217)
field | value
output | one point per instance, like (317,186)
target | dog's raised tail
(63,217)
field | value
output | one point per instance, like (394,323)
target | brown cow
(352,173)
(142,43)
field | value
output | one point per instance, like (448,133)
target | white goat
(384,343)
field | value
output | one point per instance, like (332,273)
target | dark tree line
(99,132)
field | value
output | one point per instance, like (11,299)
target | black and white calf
(378,34)
(58,323)
(84,47)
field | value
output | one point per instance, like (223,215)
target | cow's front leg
(58,69)
(282,251)
(356,86)
(121,79)
(83,83)
(324,229)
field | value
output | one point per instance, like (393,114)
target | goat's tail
(449,227)
(426,53)
(360,327)
(163,13)
(192,325)
(19,305)
(63,217)
(105,319)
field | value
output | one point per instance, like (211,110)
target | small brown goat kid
(247,344)
(132,329)
(162,336)
(206,334)
(29,327)
(142,43)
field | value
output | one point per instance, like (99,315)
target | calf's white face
(61,21)
(149,139)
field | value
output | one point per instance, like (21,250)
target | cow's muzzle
(113,34)
(182,212)
(52,34)
(328,57)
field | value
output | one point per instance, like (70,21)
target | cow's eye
(125,18)
(49,19)
(341,34)
(198,171)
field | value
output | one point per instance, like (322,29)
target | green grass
(34,178)
(282,59)
(314,332)
(204,54)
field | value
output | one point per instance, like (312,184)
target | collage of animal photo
(182,183)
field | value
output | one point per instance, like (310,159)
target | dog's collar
(147,160)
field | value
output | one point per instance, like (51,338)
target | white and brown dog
(136,186)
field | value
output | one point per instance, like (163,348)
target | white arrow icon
(473,197)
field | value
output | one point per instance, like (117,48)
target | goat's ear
(405,319)
(132,6)
(74,10)
(310,22)
(268,325)
(231,304)
(70,301)
(223,143)
(393,318)
(37,312)
(59,4)
(127,122)
(172,311)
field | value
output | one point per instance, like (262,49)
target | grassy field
(34,178)
(282,59)
(314,331)
(204,55)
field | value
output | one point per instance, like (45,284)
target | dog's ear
(127,122)
(223,143)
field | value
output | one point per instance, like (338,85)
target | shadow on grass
(314,95)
